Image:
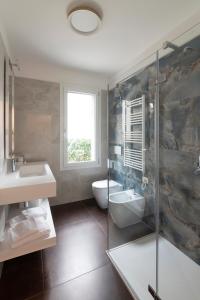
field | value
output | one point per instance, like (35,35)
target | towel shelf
(6,252)
(134,133)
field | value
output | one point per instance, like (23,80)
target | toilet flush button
(145,180)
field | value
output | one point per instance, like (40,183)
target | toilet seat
(104,184)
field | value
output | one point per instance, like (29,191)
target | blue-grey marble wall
(180,148)
(142,83)
(179,144)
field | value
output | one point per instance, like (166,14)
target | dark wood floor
(77,268)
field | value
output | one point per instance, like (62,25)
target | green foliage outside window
(79,150)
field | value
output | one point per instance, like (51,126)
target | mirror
(1,105)
(9,109)
(6,107)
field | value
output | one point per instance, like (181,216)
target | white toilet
(100,191)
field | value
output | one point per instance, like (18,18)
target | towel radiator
(134,133)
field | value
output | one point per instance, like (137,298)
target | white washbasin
(31,181)
(32,170)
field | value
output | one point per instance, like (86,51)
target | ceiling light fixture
(84,20)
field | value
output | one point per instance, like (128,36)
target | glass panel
(179,238)
(132,239)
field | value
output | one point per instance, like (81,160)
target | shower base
(178,275)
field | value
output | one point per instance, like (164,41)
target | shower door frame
(157,168)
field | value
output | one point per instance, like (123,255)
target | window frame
(65,165)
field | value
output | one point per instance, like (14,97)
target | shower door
(157,252)
(132,164)
(178,266)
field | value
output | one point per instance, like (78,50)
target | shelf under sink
(6,252)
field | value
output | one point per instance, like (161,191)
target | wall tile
(37,136)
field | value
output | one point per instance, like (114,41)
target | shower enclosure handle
(153,293)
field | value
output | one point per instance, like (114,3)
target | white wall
(180,35)
(5,40)
(72,185)
(54,73)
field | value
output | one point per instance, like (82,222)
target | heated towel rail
(134,133)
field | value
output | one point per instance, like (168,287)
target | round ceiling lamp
(84,20)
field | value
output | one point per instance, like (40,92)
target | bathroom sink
(32,170)
(30,182)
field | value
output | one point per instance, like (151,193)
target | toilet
(100,191)
(126,208)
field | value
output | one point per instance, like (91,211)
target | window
(81,128)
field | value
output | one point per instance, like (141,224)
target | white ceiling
(38,31)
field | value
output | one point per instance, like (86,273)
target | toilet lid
(104,183)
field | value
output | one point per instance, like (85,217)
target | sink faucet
(13,164)
(16,160)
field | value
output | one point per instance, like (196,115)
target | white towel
(15,220)
(23,229)
(2,222)
(41,224)
(35,212)
(28,230)
(30,238)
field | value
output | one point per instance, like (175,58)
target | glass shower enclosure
(154,148)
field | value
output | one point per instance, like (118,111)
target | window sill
(78,166)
